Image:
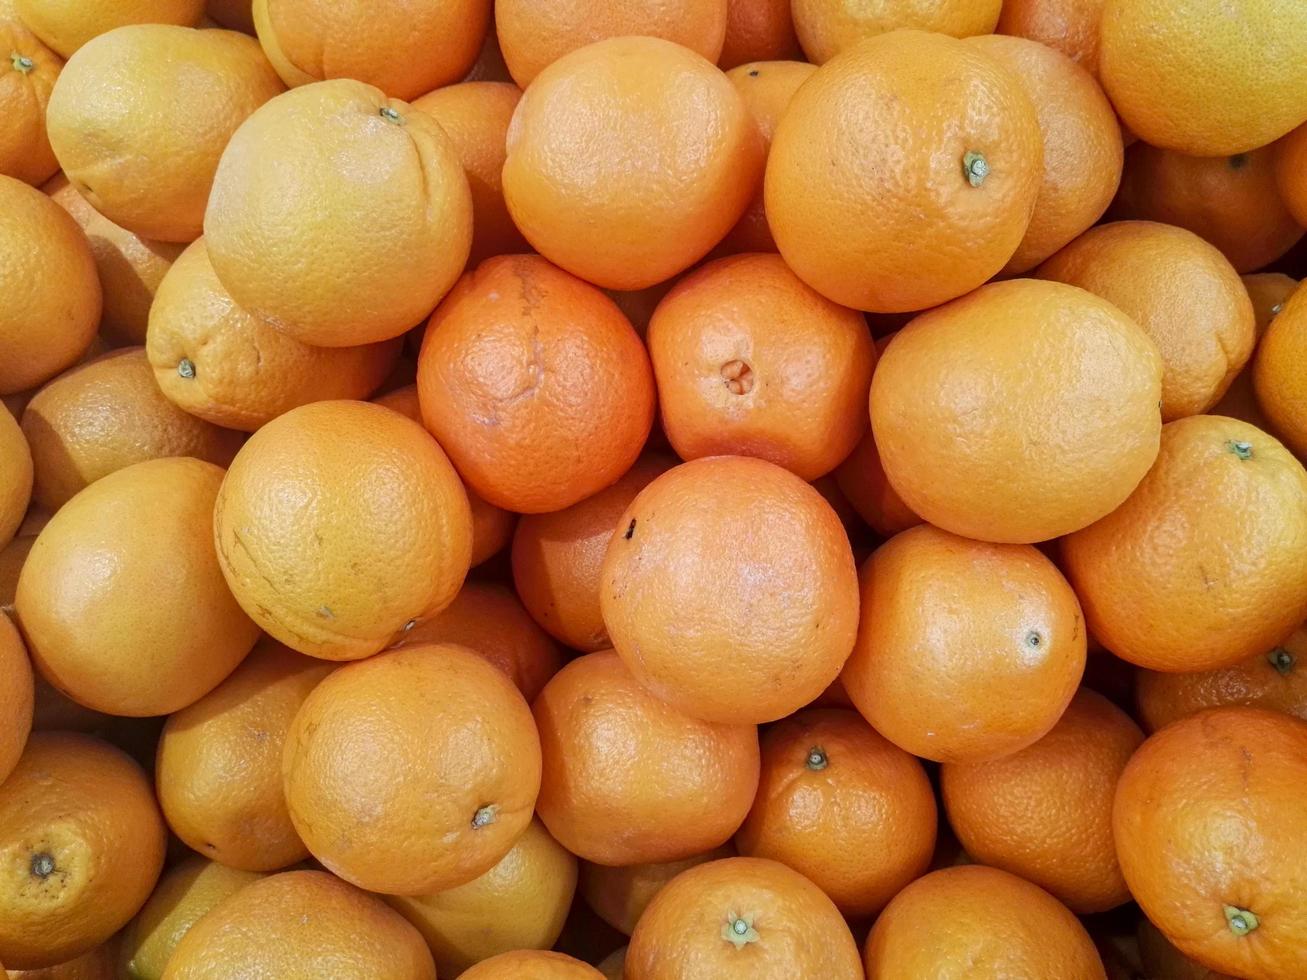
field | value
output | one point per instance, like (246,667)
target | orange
(520,903)
(475,117)
(626,775)
(1230,201)
(385,545)
(832,787)
(403,49)
(218,769)
(236,15)
(558,558)
(130,268)
(613,966)
(828,27)
(225,365)
(16,696)
(767,88)
(961,138)
(741,917)
(616,179)
(297,200)
(151,628)
(971,445)
(52,302)
(730,590)
(1181,290)
(12,557)
(1045,812)
(488,619)
(414,771)
(1208,825)
(65,25)
(1182,75)
(619,895)
(301,925)
(1291,173)
(750,361)
(98,964)
(533,34)
(509,379)
(1082,145)
(81,845)
(978,921)
(25,85)
(105,415)
(1162,960)
(1275,679)
(175,95)
(185,894)
(1206,564)
(16,476)
(1269,291)
(53,711)
(758,30)
(1069,26)
(950,630)
(1278,377)
(492,527)
(861,478)
(527,964)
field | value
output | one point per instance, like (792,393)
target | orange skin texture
(98,964)
(862,480)
(1181,290)
(971,445)
(52,294)
(488,619)
(300,925)
(520,903)
(558,558)
(90,629)
(750,361)
(620,895)
(130,268)
(828,27)
(492,527)
(629,159)
(1269,291)
(967,651)
(16,696)
(244,372)
(793,929)
(218,768)
(1206,564)
(874,145)
(535,384)
(1162,960)
(1045,813)
(979,921)
(89,808)
(532,963)
(236,15)
(1182,76)
(1276,680)
(758,30)
(414,771)
(1069,26)
(475,117)
(297,200)
(767,88)
(1232,201)
(1291,173)
(866,797)
(16,477)
(776,611)
(104,416)
(66,25)
(626,775)
(534,35)
(175,95)
(1208,815)
(25,84)
(403,49)
(363,563)
(1278,373)
(1083,154)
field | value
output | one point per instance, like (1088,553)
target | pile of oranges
(653,489)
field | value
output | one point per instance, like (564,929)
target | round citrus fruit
(65,25)
(16,696)
(535,964)
(619,895)
(1159,958)
(827,27)
(1278,376)
(1269,292)
(98,964)
(758,30)
(1069,26)
(236,15)
(1291,173)
(684,581)
(861,478)
(16,476)
(25,85)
